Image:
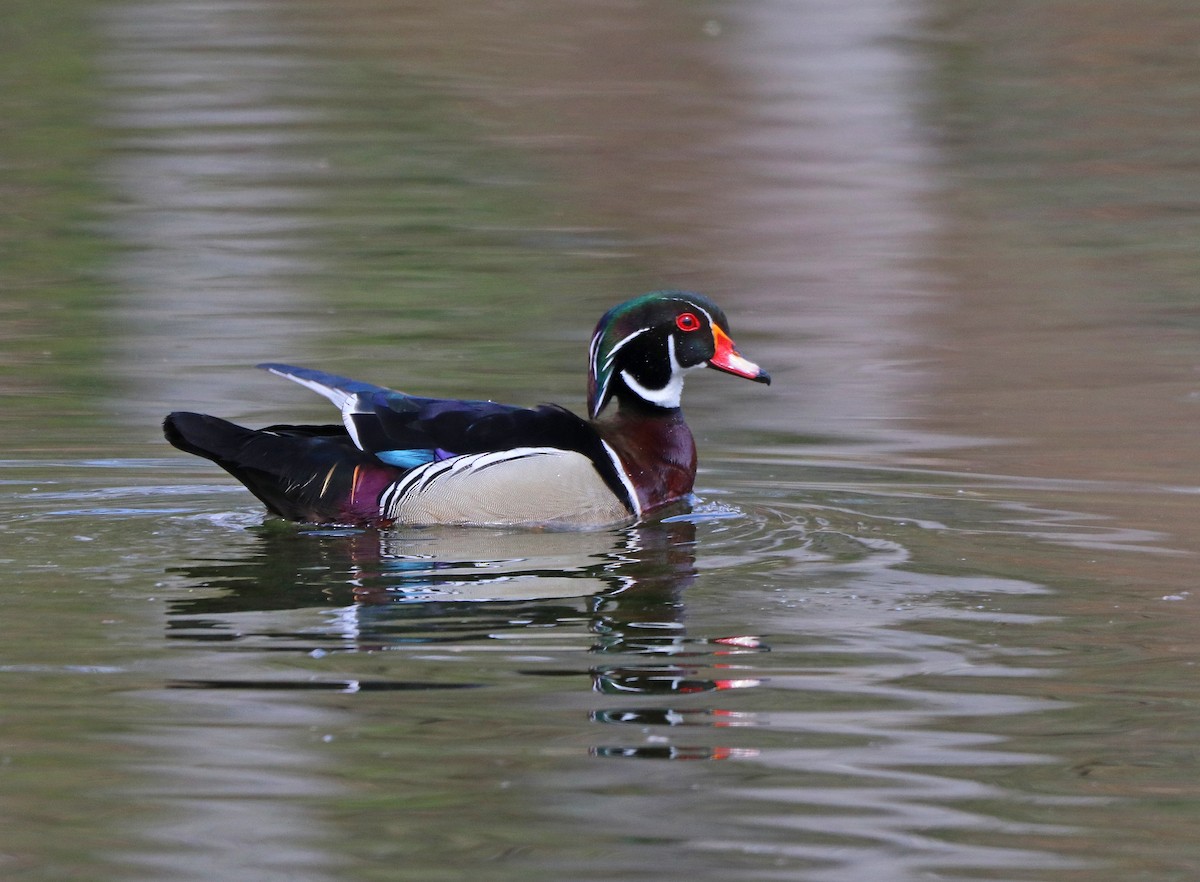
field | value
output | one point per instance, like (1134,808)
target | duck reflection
(615,594)
(441,570)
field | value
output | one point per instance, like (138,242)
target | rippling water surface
(932,614)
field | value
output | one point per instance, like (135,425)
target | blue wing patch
(407,459)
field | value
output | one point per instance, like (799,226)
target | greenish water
(934,615)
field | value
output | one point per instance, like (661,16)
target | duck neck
(656,450)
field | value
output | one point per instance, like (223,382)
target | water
(934,615)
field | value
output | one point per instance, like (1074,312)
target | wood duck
(399,459)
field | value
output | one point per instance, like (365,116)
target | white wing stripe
(349,408)
(337,396)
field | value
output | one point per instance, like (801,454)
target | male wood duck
(400,459)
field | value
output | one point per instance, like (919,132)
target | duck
(403,460)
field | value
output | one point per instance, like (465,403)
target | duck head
(642,348)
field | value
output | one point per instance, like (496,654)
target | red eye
(686,321)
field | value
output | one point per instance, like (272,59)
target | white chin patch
(667,396)
(670,394)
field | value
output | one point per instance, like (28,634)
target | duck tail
(302,473)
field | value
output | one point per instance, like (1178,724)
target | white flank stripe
(624,476)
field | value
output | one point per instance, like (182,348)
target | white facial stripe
(670,394)
(667,396)
(594,348)
(612,354)
(707,315)
(695,306)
